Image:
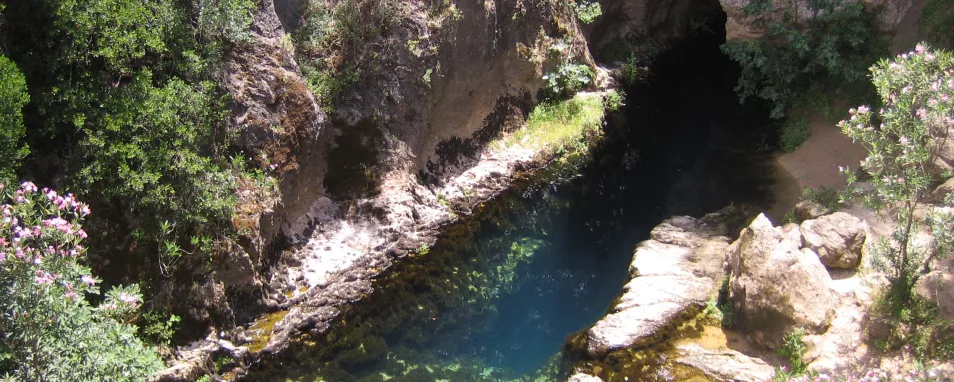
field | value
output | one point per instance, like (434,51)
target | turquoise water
(497,296)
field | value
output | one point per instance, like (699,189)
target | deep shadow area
(496,297)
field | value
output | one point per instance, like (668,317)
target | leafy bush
(824,196)
(794,133)
(567,80)
(146,156)
(837,45)
(917,90)
(13,96)
(793,349)
(614,100)
(51,332)
(936,22)
(587,11)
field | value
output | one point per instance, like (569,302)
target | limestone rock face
(775,286)
(837,239)
(674,273)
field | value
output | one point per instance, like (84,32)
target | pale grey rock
(776,287)
(580,377)
(724,365)
(675,271)
(838,239)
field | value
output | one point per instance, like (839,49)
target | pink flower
(28,187)
(863,109)
(919,48)
(43,277)
(128,298)
(922,113)
(88,280)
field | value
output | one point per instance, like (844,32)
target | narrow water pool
(498,294)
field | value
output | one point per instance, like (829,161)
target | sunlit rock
(838,239)
(775,286)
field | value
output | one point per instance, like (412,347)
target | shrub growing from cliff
(121,115)
(50,331)
(917,92)
(836,44)
(13,96)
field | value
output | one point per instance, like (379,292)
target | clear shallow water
(498,294)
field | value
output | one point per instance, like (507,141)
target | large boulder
(837,239)
(775,286)
(674,274)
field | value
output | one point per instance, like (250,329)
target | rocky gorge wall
(377,171)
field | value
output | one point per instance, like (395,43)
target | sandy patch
(816,163)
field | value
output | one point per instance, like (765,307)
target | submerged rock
(838,239)
(674,273)
(776,287)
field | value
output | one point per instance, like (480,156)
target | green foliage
(567,80)
(633,72)
(916,90)
(226,20)
(160,326)
(118,32)
(824,196)
(614,100)
(51,332)
(558,126)
(13,96)
(587,10)
(936,22)
(836,45)
(332,37)
(146,156)
(793,348)
(794,132)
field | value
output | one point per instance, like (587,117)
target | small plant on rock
(793,348)
(567,80)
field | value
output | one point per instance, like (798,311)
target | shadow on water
(496,297)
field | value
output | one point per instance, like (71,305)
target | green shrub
(917,92)
(13,96)
(826,197)
(836,46)
(794,132)
(51,332)
(587,10)
(793,349)
(936,22)
(614,100)
(567,80)
(146,157)
(160,326)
